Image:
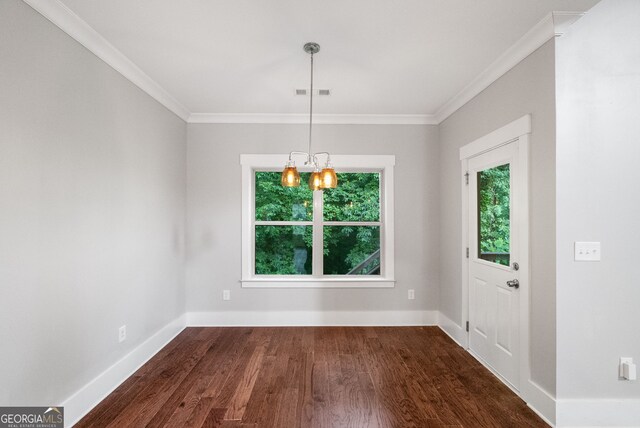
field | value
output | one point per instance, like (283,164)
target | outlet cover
(411,295)
(122,333)
(623,360)
(226,294)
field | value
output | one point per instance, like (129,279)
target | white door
(494,295)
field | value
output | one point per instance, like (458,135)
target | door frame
(517,131)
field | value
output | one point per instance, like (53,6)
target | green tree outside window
(494,214)
(287,249)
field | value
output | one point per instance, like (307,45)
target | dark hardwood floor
(312,377)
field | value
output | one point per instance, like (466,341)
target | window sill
(318,283)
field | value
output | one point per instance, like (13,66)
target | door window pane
(494,189)
(357,198)
(351,250)
(283,250)
(275,202)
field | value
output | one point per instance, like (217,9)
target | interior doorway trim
(519,130)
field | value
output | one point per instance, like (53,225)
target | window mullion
(318,235)
(352,223)
(282,223)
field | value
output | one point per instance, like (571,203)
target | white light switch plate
(587,252)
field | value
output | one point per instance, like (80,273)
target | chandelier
(319,179)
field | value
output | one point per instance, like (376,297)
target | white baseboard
(311,318)
(540,401)
(565,413)
(85,399)
(80,403)
(453,330)
(598,413)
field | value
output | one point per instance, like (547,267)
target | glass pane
(352,250)
(357,198)
(494,188)
(283,250)
(275,202)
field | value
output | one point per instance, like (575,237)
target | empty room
(284,213)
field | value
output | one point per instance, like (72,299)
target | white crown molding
(562,20)
(83,33)
(319,119)
(554,24)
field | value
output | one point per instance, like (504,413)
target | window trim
(343,163)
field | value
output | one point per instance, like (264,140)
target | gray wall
(598,151)
(94,184)
(214,215)
(92,194)
(527,88)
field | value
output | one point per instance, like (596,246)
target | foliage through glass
(351,250)
(357,198)
(494,214)
(287,249)
(275,202)
(284,250)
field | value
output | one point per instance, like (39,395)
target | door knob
(514,283)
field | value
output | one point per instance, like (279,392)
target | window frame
(383,164)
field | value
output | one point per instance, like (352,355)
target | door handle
(514,283)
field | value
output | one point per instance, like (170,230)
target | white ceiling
(377,56)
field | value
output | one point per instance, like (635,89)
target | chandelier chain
(311,106)
(319,179)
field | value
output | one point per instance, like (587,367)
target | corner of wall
(452,329)
(81,402)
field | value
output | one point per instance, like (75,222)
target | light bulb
(315,180)
(290,176)
(329,178)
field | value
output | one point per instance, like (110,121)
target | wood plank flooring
(312,377)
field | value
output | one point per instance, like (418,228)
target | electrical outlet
(122,333)
(626,369)
(226,294)
(411,295)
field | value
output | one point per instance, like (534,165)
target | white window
(296,237)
